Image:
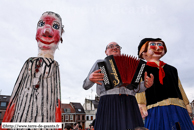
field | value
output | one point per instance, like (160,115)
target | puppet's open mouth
(45,40)
(158,53)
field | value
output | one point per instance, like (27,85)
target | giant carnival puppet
(165,104)
(36,96)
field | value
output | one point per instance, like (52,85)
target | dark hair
(80,126)
(68,127)
(93,122)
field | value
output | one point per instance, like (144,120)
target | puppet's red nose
(47,32)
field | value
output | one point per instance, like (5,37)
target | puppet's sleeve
(141,99)
(15,93)
(184,96)
(58,98)
(140,95)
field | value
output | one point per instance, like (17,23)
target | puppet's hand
(189,109)
(148,82)
(143,110)
(96,77)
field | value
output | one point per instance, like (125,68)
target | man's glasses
(111,46)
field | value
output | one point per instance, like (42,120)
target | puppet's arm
(184,96)
(58,101)
(141,100)
(58,112)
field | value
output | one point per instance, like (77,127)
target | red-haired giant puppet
(36,96)
(166,101)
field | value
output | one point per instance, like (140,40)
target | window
(71,117)
(79,110)
(87,118)
(83,117)
(91,117)
(78,117)
(67,110)
(3,104)
(0,115)
(66,117)
(62,118)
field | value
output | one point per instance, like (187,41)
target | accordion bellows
(122,70)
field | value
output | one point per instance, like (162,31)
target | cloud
(89,27)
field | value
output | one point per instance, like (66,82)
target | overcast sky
(89,26)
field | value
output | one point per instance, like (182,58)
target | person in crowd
(79,127)
(75,126)
(68,127)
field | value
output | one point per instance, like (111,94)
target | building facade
(4,101)
(73,113)
(90,106)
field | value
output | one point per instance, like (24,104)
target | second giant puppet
(36,96)
(166,101)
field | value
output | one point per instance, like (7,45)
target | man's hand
(96,77)
(148,82)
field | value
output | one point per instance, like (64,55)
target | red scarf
(161,70)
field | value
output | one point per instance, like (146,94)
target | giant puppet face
(155,50)
(48,32)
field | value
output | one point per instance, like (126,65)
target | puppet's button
(37,66)
(37,86)
(37,70)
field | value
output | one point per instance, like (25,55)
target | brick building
(73,113)
(4,101)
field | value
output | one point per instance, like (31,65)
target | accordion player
(122,70)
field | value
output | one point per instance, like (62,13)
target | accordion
(122,70)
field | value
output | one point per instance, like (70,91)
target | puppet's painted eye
(160,44)
(40,23)
(56,26)
(152,44)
